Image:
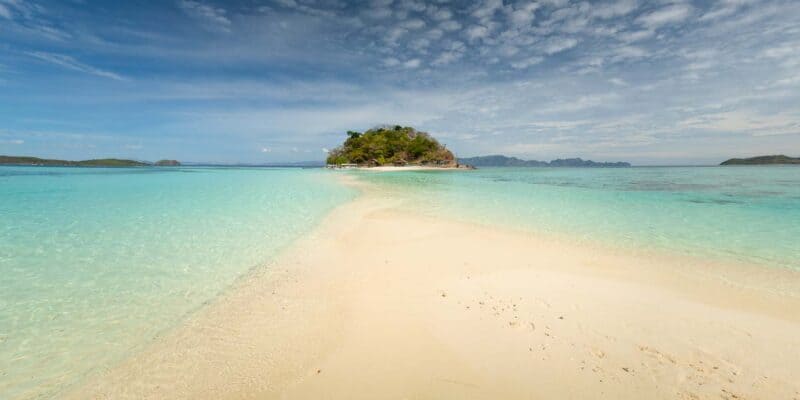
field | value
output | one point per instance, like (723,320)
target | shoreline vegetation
(391,146)
(101,162)
(382,302)
(763,160)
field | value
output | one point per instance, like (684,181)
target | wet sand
(383,303)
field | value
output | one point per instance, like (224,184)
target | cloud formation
(648,81)
(73,64)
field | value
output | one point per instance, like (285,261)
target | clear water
(96,262)
(746,214)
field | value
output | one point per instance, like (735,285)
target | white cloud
(447,57)
(414,23)
(73,64)
(724,8)
(12,141)
(615,9)
(377,13)
(266,150)
(523,15)
(526,63)
(411,64)
(435,34)
(5,12)
(671,14)
(214,17)
(747,122)
(628,53)
(391,62)
(487,8)
(476,32)
(559,44)
(441,14)
(450,25)
(618,82)
(635,36)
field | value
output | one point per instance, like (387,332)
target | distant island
(102,162)
(503,161)
(762,160)
(391,146)
(167,163)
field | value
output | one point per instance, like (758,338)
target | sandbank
(383,303)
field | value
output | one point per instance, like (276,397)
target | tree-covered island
(763,160)
(397,145)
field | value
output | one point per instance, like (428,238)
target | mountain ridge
(497,160)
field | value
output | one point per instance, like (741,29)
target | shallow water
(742,214)
(95,262)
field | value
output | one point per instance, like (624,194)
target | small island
(101,162)
(391,146)
(763,160)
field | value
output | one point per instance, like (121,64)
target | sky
(651,82)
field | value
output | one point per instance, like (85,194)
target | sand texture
(379,303)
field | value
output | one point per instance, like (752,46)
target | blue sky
(652,82)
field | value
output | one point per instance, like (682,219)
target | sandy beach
(383,303)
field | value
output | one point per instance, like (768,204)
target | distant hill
(762,160)
(503,161)
(500,161)
(104,162)
(397,145)
(167,163)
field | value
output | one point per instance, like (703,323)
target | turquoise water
(744,214)
(95,262)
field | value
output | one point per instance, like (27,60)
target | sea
(96,262)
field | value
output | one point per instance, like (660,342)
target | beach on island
(379,302)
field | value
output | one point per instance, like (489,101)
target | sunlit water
(742,214)
(96,262)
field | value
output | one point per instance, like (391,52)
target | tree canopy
(391,145)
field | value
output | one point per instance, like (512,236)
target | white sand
(378,303)
(388,168)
